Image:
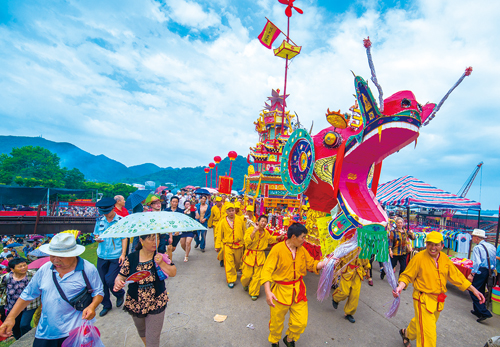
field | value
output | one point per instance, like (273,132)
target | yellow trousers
(250,276)
(232,263)
(423,326)
(297,321)
(348,289)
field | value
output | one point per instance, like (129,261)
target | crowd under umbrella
(202,191)
(147,223)
(136,198)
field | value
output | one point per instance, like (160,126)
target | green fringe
(372,242)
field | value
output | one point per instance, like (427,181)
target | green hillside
(196,176)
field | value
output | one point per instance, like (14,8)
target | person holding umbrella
(146,299)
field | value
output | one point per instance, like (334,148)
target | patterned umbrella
(152,223)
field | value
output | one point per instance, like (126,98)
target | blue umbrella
(15,244)
(136,198)
(38,253)
(202,191)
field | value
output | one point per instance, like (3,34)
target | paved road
(199,292)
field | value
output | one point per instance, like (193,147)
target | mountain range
(100,168)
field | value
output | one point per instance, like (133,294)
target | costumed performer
(215,217)
(355,270)
(257,238)
(282,275)
(429,270)
(229,237)
(250,216)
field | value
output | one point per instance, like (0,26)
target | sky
(176,82)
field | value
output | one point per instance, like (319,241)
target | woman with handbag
(146,299)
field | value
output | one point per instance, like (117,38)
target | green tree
(73,178)
(31,162)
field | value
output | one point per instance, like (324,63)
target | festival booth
(409,192)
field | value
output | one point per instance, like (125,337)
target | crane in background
(465,188)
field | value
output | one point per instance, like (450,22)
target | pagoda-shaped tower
(263,183)
(273,131)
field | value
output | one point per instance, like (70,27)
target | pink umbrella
(38,263)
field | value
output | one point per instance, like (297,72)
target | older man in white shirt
(58,317)
(483,258)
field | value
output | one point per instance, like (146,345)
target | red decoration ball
(232,155)
(217,159)
(211,165)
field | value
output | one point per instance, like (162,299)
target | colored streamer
(391,278)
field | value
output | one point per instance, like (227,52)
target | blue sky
(175,82)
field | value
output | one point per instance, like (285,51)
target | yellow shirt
(281,266)
(224,206)
(215,216)
(255,247)
(429,278)
(356,265)
(232,237)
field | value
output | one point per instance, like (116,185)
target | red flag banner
(269,34)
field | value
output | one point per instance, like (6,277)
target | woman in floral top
(146,299)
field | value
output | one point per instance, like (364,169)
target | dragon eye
(405,103)
(419,107)
(332,139)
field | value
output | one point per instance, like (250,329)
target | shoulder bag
(82,299)
(491,275)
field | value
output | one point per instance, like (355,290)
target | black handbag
(82,299)
(491,275)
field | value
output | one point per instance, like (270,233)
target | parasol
(38,253)
(136,198)
(38,263)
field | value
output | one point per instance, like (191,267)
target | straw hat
(63,245)
(479,233)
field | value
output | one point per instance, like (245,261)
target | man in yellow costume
(355,270)
(257,238)
(250,216)
(215,217)
(237,207)
(429,270)
(282,275)
(230,232)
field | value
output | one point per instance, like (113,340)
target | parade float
(338,169)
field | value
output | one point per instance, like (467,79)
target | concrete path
(199,292)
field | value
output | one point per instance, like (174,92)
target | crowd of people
(241,240)
(77,211)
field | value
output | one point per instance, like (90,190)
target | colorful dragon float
(338,169)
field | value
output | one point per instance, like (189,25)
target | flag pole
(287,37)
(286,75)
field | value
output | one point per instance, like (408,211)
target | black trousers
(479,282)
(402,262)
(48,343)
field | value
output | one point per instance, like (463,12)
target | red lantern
(212,165)
(207,170)
(232,155)
(217,160)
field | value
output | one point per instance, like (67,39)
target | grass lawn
(90,253)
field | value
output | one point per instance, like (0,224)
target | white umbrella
(145,223)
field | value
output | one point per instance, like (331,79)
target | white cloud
(190,13)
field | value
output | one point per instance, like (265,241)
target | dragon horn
(467,72)
(368,44)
